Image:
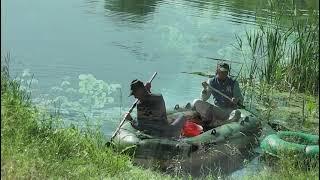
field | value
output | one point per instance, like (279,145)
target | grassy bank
(281,79)
(281,66)
(35,145)
(288,168)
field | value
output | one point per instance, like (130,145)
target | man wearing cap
(151,113)
(214,115)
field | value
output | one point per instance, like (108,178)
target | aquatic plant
(90,100)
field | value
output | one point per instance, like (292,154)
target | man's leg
(211,115)
(202,108)
(221,113)
(235,115)
(205,110)
(174,129)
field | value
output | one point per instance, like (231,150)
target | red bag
(191,129)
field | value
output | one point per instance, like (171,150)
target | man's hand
(128,117)
(148,86)
(204,91)
(235,100)
(204,84)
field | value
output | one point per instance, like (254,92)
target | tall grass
(284,57)
(303,67)
(34,145)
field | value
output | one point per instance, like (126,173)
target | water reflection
(247,11)
(235,11)
(132,10)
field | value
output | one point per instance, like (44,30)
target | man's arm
(206,92)
(237,92)
(148,87)
(163,110)
(134,122)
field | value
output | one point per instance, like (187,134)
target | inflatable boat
(240,132)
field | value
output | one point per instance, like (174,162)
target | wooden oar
(130,110)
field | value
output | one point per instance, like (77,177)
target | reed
(287,57)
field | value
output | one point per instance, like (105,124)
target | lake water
(84,53)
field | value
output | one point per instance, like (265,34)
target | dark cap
(135,84)
(223,67)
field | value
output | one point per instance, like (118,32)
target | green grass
(36,145)
(289,168)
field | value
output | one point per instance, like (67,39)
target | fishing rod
(218,59)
